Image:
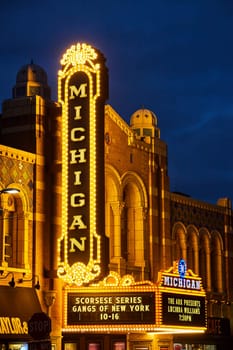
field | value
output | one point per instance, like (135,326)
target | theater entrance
(94,342)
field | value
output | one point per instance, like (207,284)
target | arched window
(131,232)
(216,263)
(125,205)
(14,235)
(179,239)
(192,249)
(204,259)
(133,224)
(113,207)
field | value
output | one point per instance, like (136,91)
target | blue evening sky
(174,57)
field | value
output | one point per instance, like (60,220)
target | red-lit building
(122,262)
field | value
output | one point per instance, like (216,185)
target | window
(94,346)
(147,132)
(118,345)
(12,232)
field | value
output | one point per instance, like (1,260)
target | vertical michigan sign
(82,91)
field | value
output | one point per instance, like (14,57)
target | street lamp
(10,190)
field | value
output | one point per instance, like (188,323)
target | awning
(17,305)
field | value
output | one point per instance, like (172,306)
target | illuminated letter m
(81,91)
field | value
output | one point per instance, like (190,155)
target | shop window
(94,346)
(17,346)
(118,345)
(70,346)
(178,346)
(146,346)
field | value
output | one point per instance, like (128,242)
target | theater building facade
(122,262)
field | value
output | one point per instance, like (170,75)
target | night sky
(174,57)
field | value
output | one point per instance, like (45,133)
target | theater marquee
(117,307)
(126,307)
(82,91)
(119,304)
(182,298)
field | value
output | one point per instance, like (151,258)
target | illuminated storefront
(17,305)
(120,306)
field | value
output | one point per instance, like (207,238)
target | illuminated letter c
(74,137)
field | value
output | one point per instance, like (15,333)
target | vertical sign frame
(82,91)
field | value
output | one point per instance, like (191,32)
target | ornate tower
(30,122)
(27,117)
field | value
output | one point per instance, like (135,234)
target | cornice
(17,154)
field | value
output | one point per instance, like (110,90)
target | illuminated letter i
(77,175)
(77,112)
